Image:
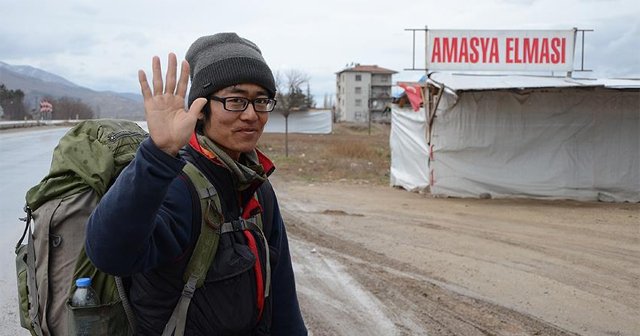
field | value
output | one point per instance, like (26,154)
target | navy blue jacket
(145,222)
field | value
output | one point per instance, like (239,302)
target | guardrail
(33,123)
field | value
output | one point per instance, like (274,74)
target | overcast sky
(102,44)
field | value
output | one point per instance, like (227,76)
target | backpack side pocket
(101,320)
(23,294)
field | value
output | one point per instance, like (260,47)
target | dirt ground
(376,260)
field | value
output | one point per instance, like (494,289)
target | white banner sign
(498,50)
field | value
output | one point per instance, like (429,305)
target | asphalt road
(26,159)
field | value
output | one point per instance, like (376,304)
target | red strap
(258,270)
(265,162)
(252,208)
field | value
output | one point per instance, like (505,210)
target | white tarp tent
(538,137)
(311,122)
(409,150)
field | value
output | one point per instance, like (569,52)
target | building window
(384,79)
(358,102)
(358,78)
(358,90)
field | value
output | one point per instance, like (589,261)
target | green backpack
(84,165)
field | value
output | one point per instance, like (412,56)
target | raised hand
(170,125)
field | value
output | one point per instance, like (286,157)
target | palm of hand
(170,125)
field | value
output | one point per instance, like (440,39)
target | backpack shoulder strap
(211,211)
(205,248)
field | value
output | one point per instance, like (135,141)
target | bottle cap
(83,282)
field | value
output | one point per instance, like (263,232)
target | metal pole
(369,121)
(582,53)
(413,64)
(426,49)
(370,102)
(582,31)
(425,90)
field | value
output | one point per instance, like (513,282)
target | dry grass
(348,154)
(357,150)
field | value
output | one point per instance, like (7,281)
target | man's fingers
(157,76)
(197,106)
(144,85)
(170,82)
(184,79)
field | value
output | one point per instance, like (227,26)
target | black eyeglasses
(239,104)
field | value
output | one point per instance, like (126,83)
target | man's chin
(244,148)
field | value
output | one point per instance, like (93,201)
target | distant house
(363,90)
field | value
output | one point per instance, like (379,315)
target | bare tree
(290,97)
(70,108)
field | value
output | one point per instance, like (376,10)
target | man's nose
(249,113)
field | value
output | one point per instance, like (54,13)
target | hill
(37,83)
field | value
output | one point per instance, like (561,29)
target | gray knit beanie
(225,59)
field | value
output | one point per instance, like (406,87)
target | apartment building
(363,91)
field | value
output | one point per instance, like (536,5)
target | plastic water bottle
(84,295)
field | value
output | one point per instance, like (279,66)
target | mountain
(30,71)
(37,83)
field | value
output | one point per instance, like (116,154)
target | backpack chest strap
(240,224)
(254,224)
